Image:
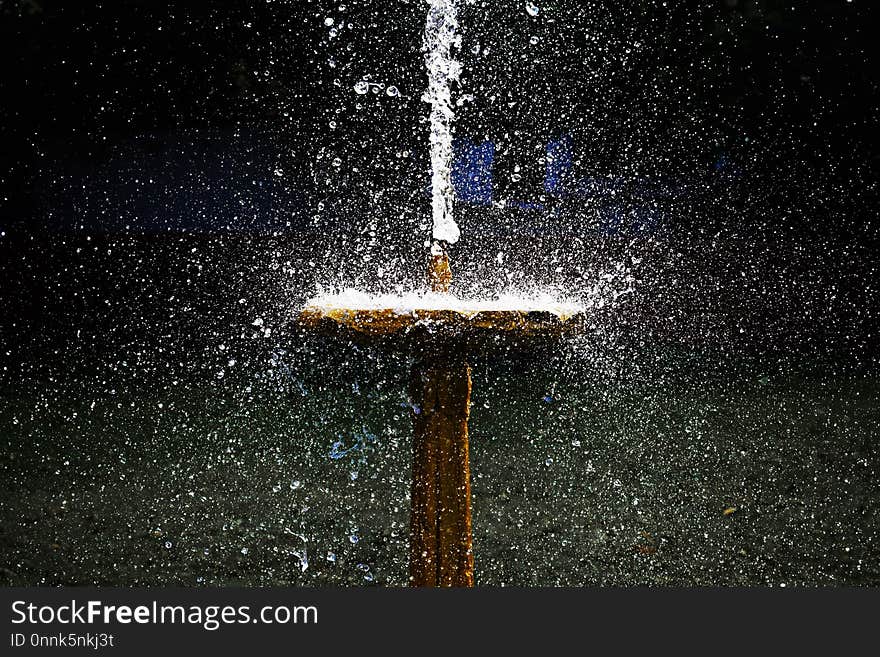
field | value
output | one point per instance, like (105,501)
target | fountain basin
(440,314)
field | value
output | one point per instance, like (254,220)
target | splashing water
(410,301)
(440,31)
(440,38)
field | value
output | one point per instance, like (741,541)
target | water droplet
(365,569)
(392,91)
(328,21)
(532,9)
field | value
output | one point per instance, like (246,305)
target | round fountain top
(386,314)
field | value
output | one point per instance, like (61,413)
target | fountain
(442,332)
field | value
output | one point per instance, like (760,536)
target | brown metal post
(441,544)
(440,273)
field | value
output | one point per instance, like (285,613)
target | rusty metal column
(441,544)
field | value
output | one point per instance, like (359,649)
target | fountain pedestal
(441,544)
(441,332)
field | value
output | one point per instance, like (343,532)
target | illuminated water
(407,302)
(440,38)
(162,421)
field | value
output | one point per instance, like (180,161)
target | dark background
(798,81)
